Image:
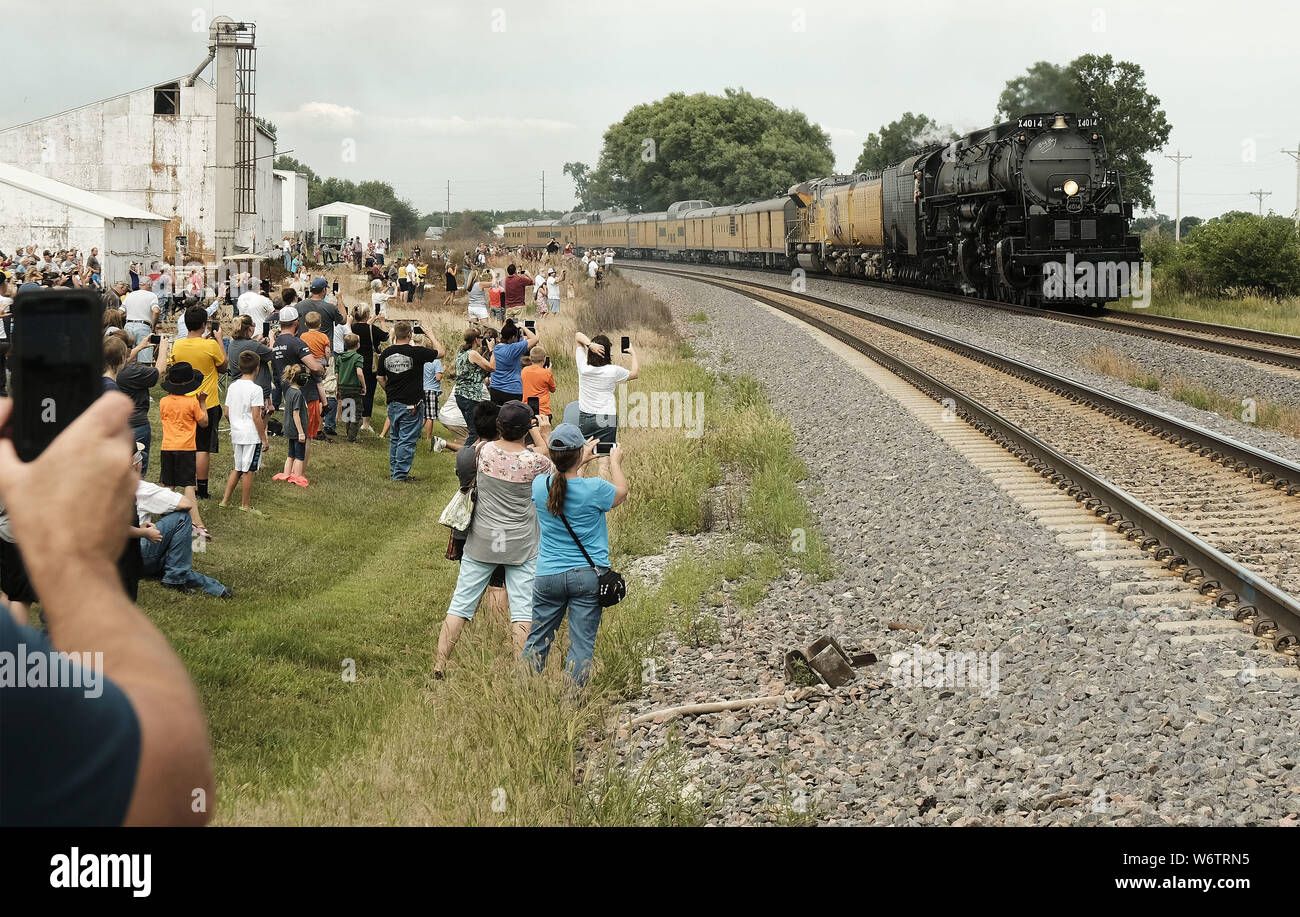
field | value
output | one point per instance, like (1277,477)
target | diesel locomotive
(1025,211)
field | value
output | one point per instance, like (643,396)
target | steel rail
(1272,613)
(1281,349)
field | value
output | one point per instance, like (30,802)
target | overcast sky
(490,94)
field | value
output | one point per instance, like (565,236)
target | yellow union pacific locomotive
(991,214)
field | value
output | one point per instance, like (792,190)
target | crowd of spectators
(536,537)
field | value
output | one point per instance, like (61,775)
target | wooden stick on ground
(662,716)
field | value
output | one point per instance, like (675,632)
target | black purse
(612,586)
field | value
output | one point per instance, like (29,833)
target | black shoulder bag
(613,589)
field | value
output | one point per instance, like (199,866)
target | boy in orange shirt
(181,415)
(538,381)
(319,344)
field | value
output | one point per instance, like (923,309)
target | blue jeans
(288,261)
(331,409)
(473,579)
(467,408)
(140,331)
(171,558)
(144,434)
(403,436)
(578,590)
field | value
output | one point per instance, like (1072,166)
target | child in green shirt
(352,385)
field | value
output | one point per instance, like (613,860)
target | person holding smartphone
(571,520)
(598,381)
(506,381)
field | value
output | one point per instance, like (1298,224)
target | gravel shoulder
(1095,717)
(1060,347)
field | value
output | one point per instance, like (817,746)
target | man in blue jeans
(401,373)
(166,546)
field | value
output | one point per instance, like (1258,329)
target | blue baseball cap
(567,436)
(319,284)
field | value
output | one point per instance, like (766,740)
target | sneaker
(228,594)
(439,444)
(254,511)
(319,437)
(280,477)
(299,480)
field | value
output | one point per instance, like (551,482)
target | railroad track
(1281,351)
(1222,515)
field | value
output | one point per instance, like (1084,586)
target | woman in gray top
(504,530)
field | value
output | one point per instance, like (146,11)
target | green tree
(1132,120)
(725,149)
(1246,252)
(899,138)
(289,164)
(580,172)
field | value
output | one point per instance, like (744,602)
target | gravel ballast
(1087,715)
(1060,347)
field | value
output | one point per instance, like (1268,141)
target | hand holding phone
(155,339)
(56,361)
(604,448)
(626,343)
(530,324)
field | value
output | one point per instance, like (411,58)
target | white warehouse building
(340,220)
(186,149)
(293,203)
(52,215)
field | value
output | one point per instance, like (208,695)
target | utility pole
(543,190)
(447,213)
(1295,154)
(1260,195)
(1178,193)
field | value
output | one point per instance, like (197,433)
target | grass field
(1268,413)
(1279,316)
(348,577)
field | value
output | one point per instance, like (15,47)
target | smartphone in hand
(604,448)
(266,329)
(535,405)
(530,324)
(57,359)
(155,339)
(627,342)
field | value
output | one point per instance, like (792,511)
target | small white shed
(341,220)
(35,210)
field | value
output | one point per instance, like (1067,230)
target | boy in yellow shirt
(207,357)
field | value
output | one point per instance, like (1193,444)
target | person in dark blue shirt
(101,724)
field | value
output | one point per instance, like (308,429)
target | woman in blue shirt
(564,578)
(505,382)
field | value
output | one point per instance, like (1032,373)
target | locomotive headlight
(1071,188)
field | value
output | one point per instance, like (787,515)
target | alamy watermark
(920,668)
(658,411)
(1098,280)
(52,669)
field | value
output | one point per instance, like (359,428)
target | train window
(733,225)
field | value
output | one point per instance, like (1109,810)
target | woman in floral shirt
(472,367)
(504,530)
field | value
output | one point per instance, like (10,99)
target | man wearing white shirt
(411,274)
(141,307)
(255,306)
